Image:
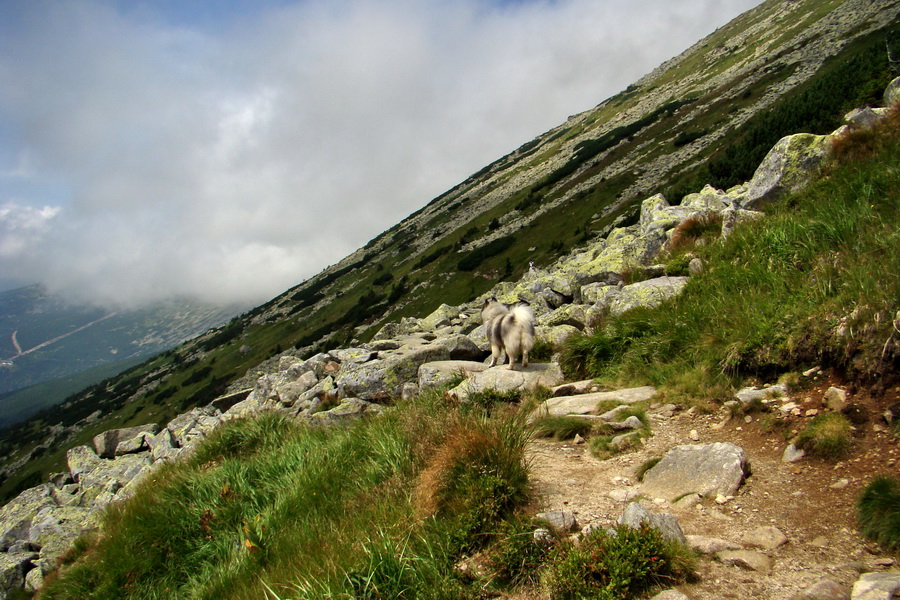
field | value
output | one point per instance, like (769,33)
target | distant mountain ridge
(44,337)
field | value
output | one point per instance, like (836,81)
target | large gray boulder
(647,294)
(16,516)
(13,568)
(106,443)
(892,93)
(384,377)
(586,404)
(709,470)
(445,372)
(790,165)
(503,380)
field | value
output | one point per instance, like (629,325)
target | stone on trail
(746,559)
(501,379)
(635,515)
(709,470)
(876,586)
(586,404)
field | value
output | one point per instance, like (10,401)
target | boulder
(461,347)
(767,538)
(349,409)
(442,317)
(586,404)
(647,294)
(707,200)
(790,165)
(555,335)
(502,379)
(574,315)
(876,586)
(444,372)
(16,516)
(13,568)
(656,214)
(892,93)
(107,442)
(383,378)
(635,515)
(560,521)
(709,470)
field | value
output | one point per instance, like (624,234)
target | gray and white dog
(510,329)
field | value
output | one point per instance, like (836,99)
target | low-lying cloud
(142,157)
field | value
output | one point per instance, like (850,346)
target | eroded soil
(811,501)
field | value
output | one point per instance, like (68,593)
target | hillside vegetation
(778,69)
(392,507)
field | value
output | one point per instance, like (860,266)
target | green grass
(878,511)
(385,505)
(816,282)
(828,436)
(561,427)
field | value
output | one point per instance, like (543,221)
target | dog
(509,329)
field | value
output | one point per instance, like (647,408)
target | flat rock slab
(443,372)
(501,379)
(586,404)
(746,559)
(826,589)
(706,469)
(876,586)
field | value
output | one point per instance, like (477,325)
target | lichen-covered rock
(445,372)
(656,214)
(17,514)
(646,294)
(384,377)
(349,409)
(892,93)
(106,443)
(503,380)
(442,317)
(13,568)
(196,424)
(707,200)
(555,335)
(569,314)
(461,347)
(55,528)
(788,167)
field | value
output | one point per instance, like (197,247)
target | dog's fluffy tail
(523,330)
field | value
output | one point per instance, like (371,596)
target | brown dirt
(808,500)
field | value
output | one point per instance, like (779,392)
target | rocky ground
(812,501)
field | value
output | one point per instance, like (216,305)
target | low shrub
(616,566)
(515,557)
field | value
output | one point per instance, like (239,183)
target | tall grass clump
(817,281)
(271,506)
(878,511)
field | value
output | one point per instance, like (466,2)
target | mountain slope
(700,118)
(44,337)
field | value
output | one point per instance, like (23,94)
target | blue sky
(229,150)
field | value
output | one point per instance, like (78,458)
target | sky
(228,150)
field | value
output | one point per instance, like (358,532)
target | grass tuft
(828,436)
(878,511)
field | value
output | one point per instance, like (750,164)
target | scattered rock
(562,522)
(876,586)
(635,515)
(767,538)
(826,589)
(746,559)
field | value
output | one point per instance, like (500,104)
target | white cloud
(233,163)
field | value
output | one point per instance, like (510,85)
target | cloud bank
(143,155)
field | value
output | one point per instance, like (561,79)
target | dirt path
(812,502)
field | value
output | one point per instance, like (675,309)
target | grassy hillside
(773,71)
(389,507)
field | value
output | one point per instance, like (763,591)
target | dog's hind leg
(496,352)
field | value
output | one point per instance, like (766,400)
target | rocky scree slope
(409,356)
